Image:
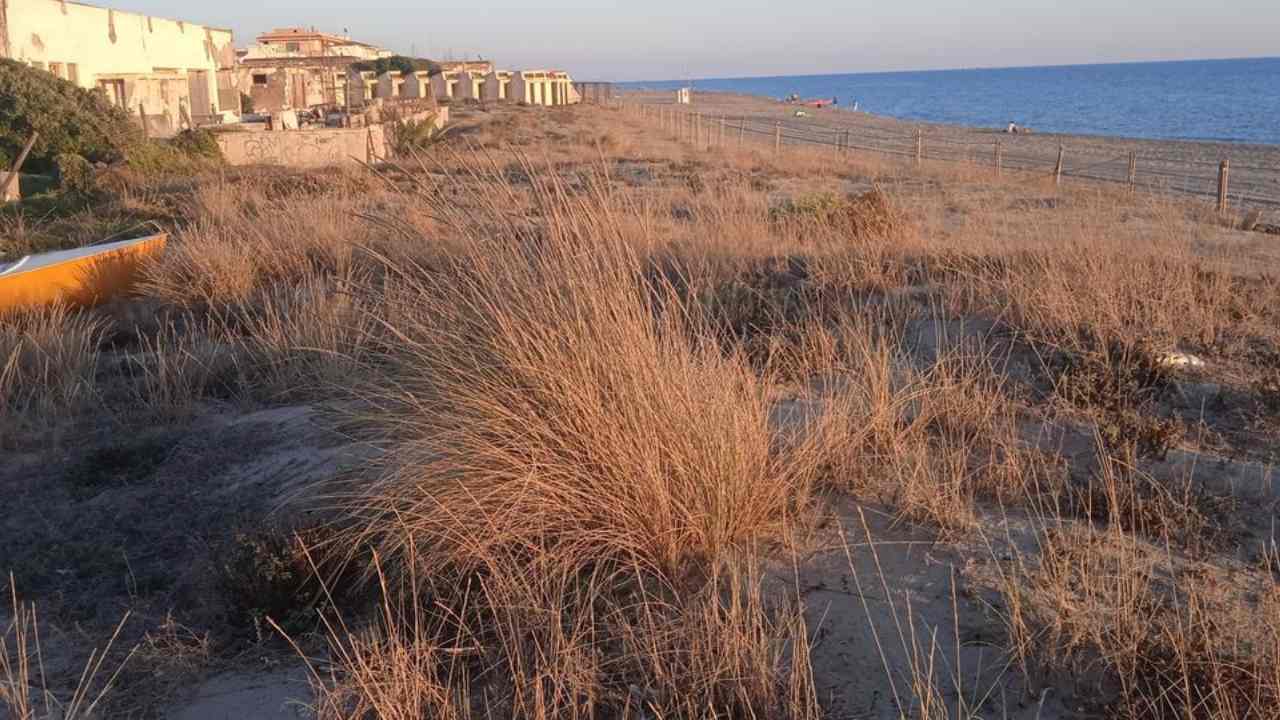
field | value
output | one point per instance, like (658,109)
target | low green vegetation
(398,63)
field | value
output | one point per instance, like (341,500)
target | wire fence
(1229,185)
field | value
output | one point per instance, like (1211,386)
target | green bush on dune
(188,152)
(74,122)
(70,120)
(75,174)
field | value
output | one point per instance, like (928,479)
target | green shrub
(398,63)
(75,174)
(266,574)
(188,152)
(197,143)
(276,572)
(417,135)
(68,118)
(823,207)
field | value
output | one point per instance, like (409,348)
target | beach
(1175,166)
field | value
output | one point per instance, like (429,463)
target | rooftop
(294,34)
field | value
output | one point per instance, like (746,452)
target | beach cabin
(390,85)
(544,87)
(497,86)
(444,84)
(469,85)
(417,85)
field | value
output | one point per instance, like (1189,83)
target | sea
(1217,100)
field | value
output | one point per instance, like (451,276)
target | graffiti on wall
(304,148)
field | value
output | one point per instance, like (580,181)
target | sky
(674,39)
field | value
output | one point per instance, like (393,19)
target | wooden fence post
(13,175)
(742,131)
(999,160)
(919,147)
(1224,172)
(1133,171)
(721,131)
(777,136)
(1057,169)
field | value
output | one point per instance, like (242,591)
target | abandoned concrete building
(479,83)
(166,71)
(543,87)
(461,79)
(300,68)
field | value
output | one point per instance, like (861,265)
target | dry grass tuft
(48,358)
(544,393)
(24,689)
(1155,638)
(530,640)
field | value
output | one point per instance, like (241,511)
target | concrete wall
(275,94)
(230,85)
(314,148)
(302,148)
(90,46)
(292,86)
(361,87)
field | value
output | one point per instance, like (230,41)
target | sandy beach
(1180,167)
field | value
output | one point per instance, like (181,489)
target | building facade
(300,68)
(164,70)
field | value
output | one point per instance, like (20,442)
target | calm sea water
(1226,100)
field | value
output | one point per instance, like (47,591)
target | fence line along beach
(1231,175)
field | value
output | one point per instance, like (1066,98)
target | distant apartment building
(299,68)
(163,70)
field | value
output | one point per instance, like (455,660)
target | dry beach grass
(564,418)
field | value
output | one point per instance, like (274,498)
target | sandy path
(1180,167)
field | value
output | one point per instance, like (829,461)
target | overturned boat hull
(81,276)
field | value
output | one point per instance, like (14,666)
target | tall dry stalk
(24,689)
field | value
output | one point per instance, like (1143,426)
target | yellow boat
(82,276)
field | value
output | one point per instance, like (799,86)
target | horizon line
(1105,63)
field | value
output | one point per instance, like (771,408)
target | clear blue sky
(667,39)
